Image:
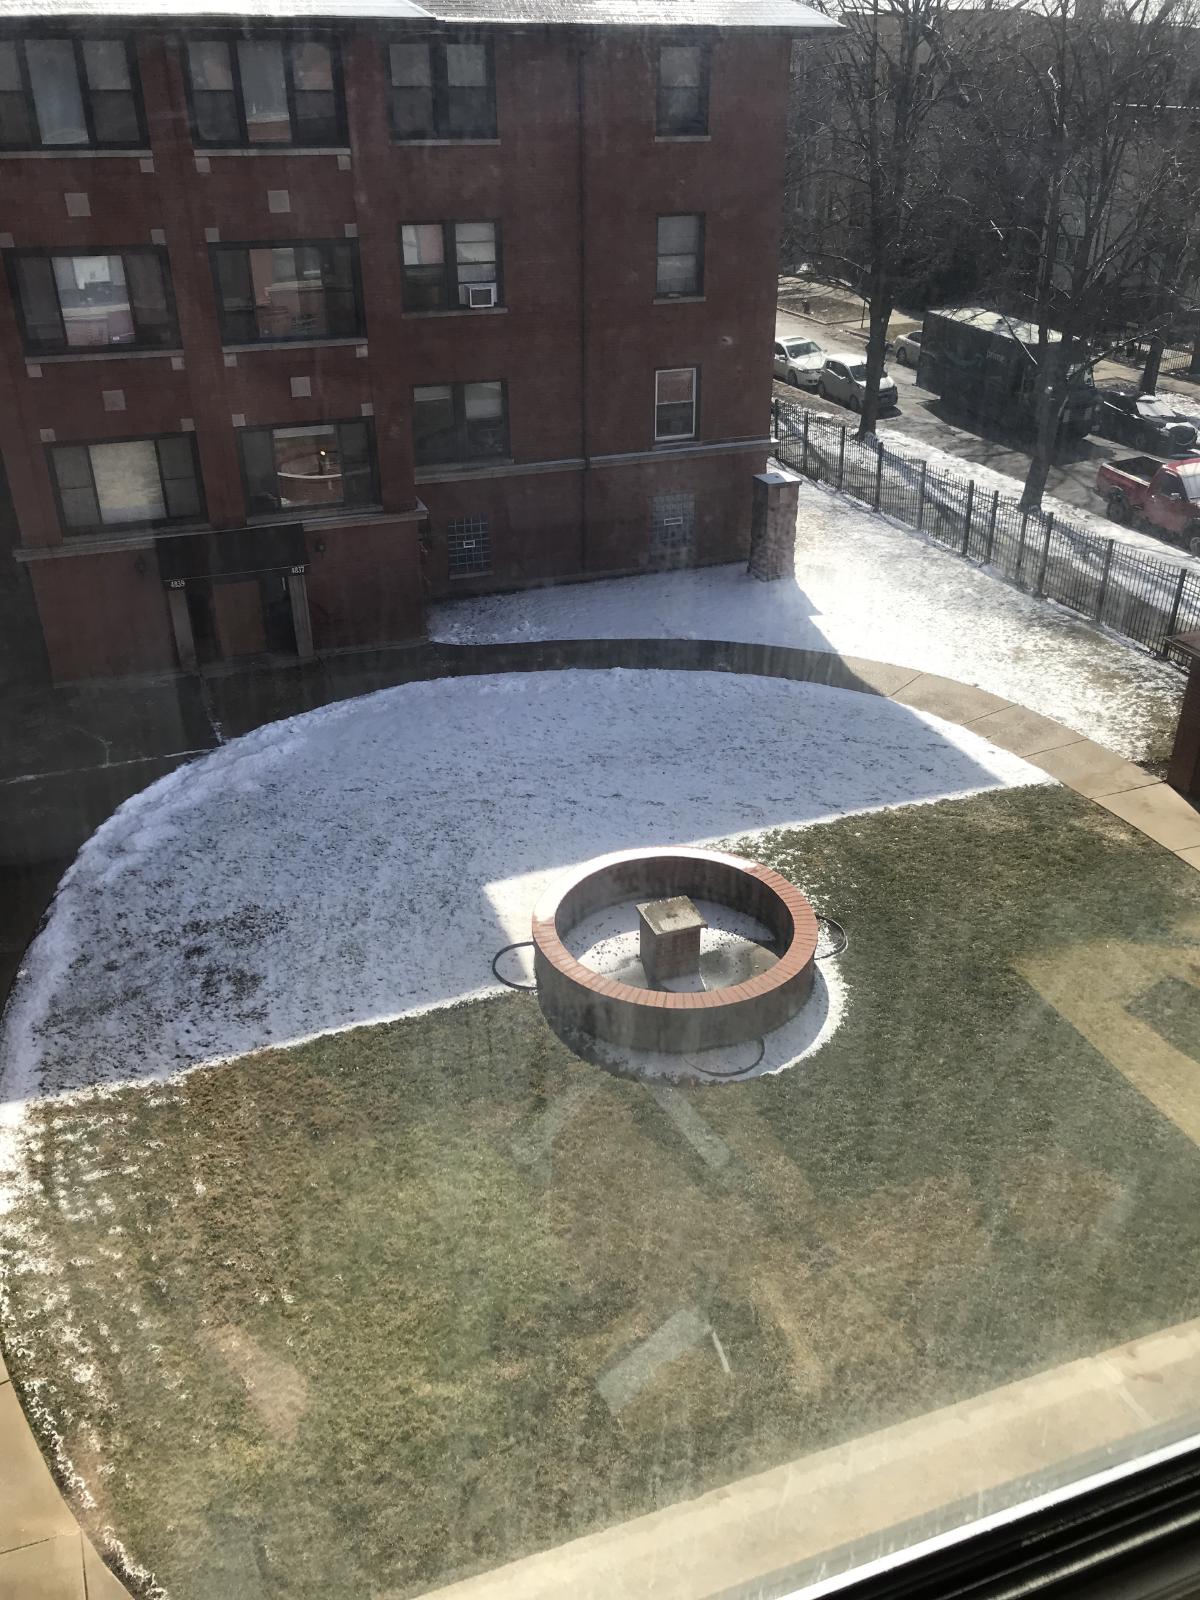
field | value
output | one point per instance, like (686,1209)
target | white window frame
(673,438)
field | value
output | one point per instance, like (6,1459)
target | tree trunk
(1153,361)
(881,315)
(1051,396)
(1194,364)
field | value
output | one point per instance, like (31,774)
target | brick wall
(577,341)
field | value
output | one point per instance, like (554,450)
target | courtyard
(331,1271)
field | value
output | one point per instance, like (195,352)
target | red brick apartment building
(304,322)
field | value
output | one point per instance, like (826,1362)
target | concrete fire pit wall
(575,999)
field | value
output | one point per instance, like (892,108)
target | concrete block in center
(669,938)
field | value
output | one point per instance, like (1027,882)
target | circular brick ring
(575,999)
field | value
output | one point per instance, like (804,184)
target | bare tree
(879,156)
(1082,179)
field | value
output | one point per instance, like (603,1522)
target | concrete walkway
(919,1467)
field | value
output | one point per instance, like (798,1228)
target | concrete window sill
(678,299)
(293,344)
(271,150)
(444,469)
(683,138)
(116,353)
(448,144)
(319,515)
(458,311)
(76,153)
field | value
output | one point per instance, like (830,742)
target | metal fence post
(804,457)
(878,473)
(991,531)
(1040,586)
(967,522)
(921,499)
(1102,593)
(842,457)
(1021,545)
(1175,605)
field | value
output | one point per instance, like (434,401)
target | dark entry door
(277,614)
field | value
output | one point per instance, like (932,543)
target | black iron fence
(1144,599)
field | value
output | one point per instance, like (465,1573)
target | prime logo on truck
(984,365)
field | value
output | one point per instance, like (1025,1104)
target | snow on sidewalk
(369,858)
(865,587)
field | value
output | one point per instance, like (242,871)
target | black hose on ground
(521,944)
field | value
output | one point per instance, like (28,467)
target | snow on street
(369,858)
(865,586)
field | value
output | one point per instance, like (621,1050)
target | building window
(128,483)
(287,291)
(680,255)
(88,302)
(265,91)
(675,403)
(448,265)
(320,466)
(672,523)
(682,90)
(64,93)
(459,422)
(443,90)
(468,547)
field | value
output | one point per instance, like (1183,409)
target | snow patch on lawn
(869,588)
(368,859)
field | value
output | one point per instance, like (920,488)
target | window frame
(450,283)
(705,48)
(287,39)
(33,347)
(230,245)
(697,291)
(439,88)
(77,41)
(458,390)
(197,518)
(313,513)
(694,433)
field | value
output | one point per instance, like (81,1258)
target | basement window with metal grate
(672,524)
(468,547)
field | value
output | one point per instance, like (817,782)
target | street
(919,416)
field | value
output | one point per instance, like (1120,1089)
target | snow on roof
(994,322)
(789,15)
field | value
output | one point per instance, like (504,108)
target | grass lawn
(337,1313)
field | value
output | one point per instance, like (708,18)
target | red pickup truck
(1143,493)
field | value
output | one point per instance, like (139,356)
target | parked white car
(843,379)
(907,349)
(798,362)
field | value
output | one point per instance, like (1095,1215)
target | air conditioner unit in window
(477,295)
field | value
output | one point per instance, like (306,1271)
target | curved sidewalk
(44,1555)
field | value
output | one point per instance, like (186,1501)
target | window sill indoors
(459,311)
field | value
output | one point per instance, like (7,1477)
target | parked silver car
(843,379)
(907,349)
(798,362)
